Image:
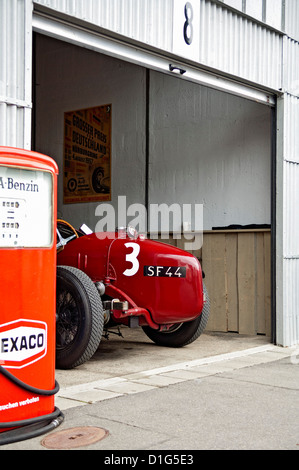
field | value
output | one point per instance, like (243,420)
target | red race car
(108,279)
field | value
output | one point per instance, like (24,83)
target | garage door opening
(173,141)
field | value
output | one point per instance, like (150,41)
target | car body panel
(162,281)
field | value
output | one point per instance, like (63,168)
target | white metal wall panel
(15,72)
(239,46)
(292,18)
(291,142)
(288,319)
(291,220)
(291,204)
(268,11)
(291,68)
(254,8)
(290,330)
(148,21)
(274,13)
(13,127)
(287,225)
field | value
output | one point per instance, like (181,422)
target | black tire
(183,333)
(80,319)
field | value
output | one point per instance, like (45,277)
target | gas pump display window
(26,208)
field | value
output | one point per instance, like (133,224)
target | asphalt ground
(136,400)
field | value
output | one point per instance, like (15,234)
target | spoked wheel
(80,319)
(183,333)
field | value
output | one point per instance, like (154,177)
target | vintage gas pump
(28,186)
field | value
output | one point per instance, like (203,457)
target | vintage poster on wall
(87,155)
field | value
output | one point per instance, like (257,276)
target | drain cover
(75,437)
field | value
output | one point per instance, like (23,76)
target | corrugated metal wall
(289,332)
(288,293)
(138,19)
(239,45)
(15,72)
(292,18)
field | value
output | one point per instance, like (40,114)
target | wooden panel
(213,263)
(267,254)
(188,239)
(245,306)
(260,284)
(231,282)
(246,283)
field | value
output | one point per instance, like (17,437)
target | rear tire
(183,333)
(80,318)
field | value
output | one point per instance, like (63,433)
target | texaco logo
(22,342)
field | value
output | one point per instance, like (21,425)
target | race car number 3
(132,258)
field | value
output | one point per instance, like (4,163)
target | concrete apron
(133,364)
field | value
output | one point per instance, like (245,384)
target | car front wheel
(79,317)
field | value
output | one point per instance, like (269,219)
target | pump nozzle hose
(32,427)
(30,430)
(27,387)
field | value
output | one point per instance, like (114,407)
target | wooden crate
(237,267)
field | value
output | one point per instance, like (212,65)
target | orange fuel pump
(28,206)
